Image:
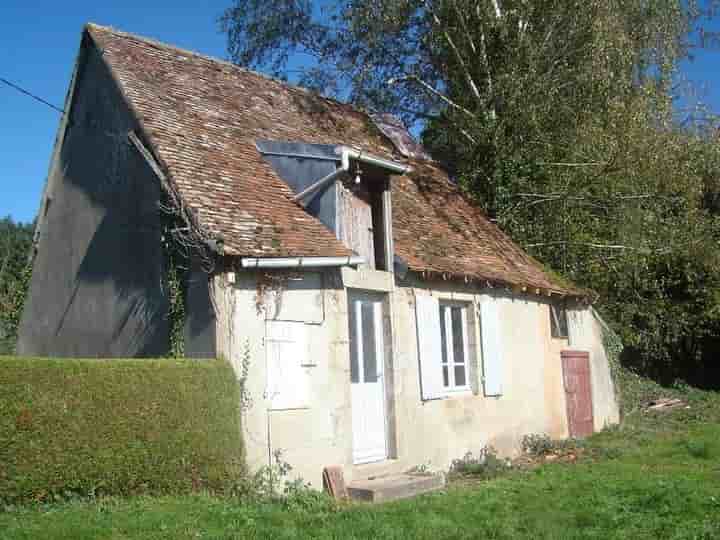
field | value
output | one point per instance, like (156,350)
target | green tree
(15,242)
(558,117)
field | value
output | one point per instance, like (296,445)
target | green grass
(656,477)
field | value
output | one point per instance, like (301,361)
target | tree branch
(456,52)
(428,88)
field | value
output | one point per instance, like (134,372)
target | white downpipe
(295,262)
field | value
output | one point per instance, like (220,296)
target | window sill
(458,393)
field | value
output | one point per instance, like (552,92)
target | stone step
(395,486)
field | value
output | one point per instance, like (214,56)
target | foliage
(557,116)
(176,312)
(655,489)
(270,485)
(15,242)
(244,392)
(635,391)
(175,280)
(116,427)
(485,465)
(540,444)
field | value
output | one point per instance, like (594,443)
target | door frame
(568,357)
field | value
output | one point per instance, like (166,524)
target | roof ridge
(283,84)
(157,43)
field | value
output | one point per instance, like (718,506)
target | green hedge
(117,427)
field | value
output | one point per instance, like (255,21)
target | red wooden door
(578,392)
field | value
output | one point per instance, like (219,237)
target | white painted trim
(293,262)
(346,154)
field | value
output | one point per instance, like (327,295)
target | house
(378,320)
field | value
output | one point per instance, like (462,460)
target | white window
(443,350)
(454,347)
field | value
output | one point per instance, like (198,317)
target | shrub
(540,445)
(537,444)
(270,484)
(485,465)
(117,427)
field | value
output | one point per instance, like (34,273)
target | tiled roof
(202,117)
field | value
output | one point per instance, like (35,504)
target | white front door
(367,361)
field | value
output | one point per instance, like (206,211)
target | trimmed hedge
(117,427)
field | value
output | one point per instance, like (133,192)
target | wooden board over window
(356,223)
(364,219)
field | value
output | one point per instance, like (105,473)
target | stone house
(379,320)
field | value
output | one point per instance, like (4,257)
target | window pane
(368,330)
(443,335)
(446,382)
(457,335)
(558,321)
(354,371)
(562,315)
(460,376)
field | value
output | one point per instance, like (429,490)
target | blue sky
(38,44)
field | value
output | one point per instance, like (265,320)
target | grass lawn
(657,477)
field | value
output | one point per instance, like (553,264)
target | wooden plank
(356,230)
(334,482)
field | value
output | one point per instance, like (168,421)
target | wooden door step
(394,486)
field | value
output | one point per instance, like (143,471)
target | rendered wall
(586,334)
(95,288)
(310,438)
(432,433)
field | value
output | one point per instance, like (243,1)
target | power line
(23,91)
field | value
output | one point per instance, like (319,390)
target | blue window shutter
(427,313)
(491,346)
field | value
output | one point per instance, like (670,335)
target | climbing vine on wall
(270,286)
(175,281)
(176,312)
(245,396)
(613,347)
(632,389)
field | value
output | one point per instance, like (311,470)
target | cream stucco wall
(420,432)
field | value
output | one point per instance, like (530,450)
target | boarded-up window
(356,222)
(491,346)
(286,345)
(363,218)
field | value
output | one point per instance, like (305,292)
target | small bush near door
(485,465)
(78,428)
